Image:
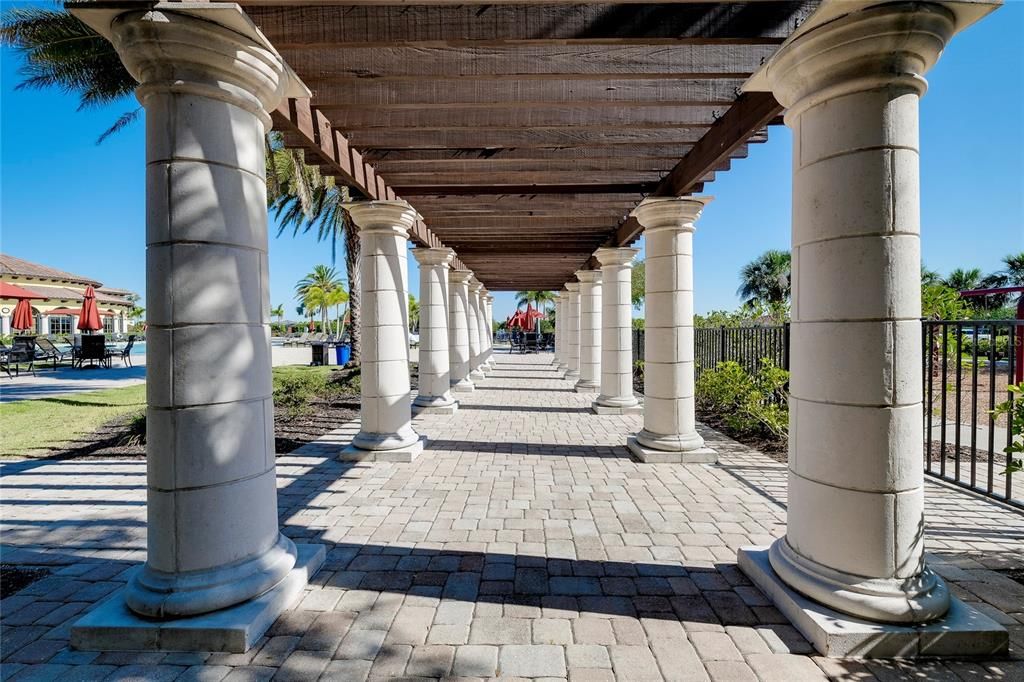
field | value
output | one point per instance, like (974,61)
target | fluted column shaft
(386,408)
(855,539)
(616,329)
(434,363)
(213,538)
(573,331)
(458,330)
(669,432)
(590,331)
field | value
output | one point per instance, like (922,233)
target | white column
(473,323)
(44,325)
(489,322)
(458,330)
(5,324)
(855,539)
(213,537)
(590,331)
(669,433)
(562,331)
(386,431)
(485,334)
(434,364)
(572,318)
(616,332)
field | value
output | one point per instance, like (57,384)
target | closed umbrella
(89,315)
(22,320)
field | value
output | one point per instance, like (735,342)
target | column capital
(616,256)
(589,276)
(433,256)
(489,298)
(887,46)
(573,287)
(383,216)
(195,53)
(459,276)
(475,285)
(661,213)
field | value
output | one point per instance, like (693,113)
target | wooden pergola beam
(527,91)
(751,112)
(575,61)
(313,132)
(353,24)
(576,188)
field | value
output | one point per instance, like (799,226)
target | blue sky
(68,203)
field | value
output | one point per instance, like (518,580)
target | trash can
(343,353)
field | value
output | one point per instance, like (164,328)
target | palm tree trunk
(354,286)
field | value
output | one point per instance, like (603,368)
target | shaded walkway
(523,542)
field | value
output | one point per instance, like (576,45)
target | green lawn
(32,427)
(35,427)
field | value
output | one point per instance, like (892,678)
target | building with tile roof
(57,297)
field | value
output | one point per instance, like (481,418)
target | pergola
(526,146)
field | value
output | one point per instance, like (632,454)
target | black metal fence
(744,345)
(967,367)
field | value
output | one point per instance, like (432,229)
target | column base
(598,408)
(404,454)
(651,456)
(112,626)
(477,375)
(464,386)
(451,408)
(962,632)
(584,386)
(573,374)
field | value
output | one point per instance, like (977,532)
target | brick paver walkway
(523,543)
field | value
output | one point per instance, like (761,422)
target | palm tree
(538,299)
(315,288)
(336,297)
(962,280)
(305,200)
(60,51)
(277,311)
(765,279)
(414,313)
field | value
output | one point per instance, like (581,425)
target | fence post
(785,346)
(721,345)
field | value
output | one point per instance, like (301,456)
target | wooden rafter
(751,112)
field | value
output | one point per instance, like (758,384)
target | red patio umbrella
(22,319)
(89,315)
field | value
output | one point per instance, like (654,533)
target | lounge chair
(45,350)
(22,351)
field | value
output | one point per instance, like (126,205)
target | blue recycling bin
(343,354)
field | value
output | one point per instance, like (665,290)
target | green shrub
(748,403)
(638,323)
(638,369)
(1013,408)
(136,431)
(294,391)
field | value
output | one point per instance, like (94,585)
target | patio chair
(94,347)
(45,350)
(5,360)
(126,352)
